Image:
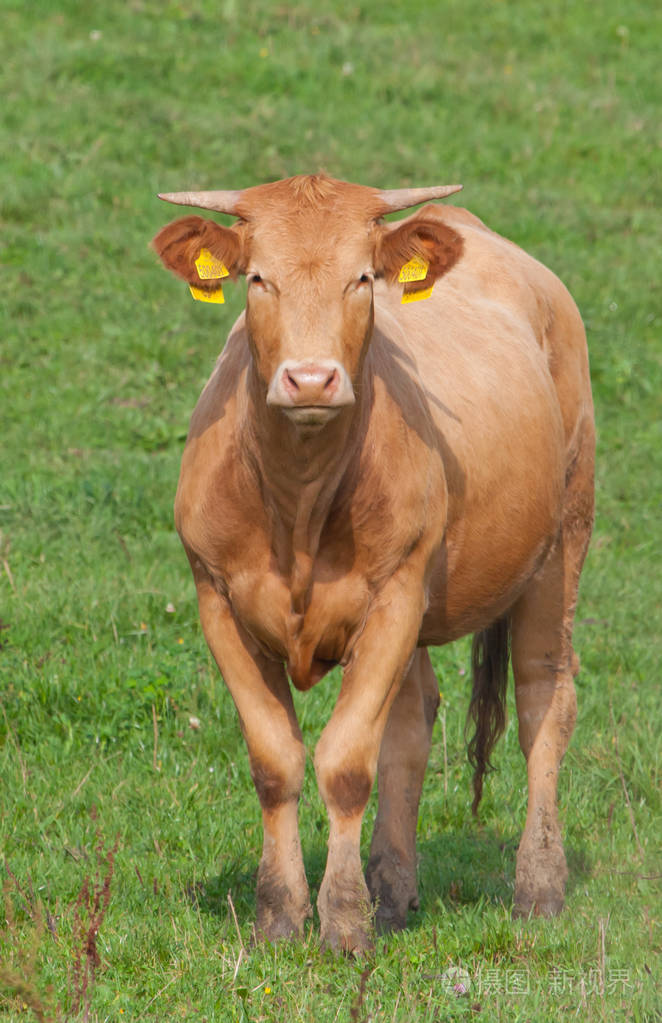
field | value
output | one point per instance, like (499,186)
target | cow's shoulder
(218,499)
(494,273)
(218,401)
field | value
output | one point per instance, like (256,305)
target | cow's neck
(299,471)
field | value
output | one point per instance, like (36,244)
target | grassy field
(117,816)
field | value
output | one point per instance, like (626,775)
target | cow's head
(311,249)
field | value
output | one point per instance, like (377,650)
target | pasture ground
(549,114)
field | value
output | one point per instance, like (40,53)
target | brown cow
(364,478)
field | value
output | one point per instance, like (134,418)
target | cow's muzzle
(311,393)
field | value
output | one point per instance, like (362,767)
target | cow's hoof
(392,888)
(282,929)
(549,903)
(391,914)
(277,924)
(389,919)
(356,942)
(540,873)
(346,920)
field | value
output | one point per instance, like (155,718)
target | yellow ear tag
(207,296)
(416,296)
(210,268)
(415,270)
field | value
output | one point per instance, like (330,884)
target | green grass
(549,114)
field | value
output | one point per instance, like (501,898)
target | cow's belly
(488,556)
(473,598)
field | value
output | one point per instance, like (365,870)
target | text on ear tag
(415,270)
(210,268)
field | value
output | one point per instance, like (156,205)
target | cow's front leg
(347,754)
(277,755)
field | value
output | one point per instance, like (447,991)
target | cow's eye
(357,284)
(261,285)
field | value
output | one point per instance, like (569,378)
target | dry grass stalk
(89,911)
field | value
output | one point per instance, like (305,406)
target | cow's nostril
(331,380)
(290,381)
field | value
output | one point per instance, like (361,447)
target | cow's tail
(490,655)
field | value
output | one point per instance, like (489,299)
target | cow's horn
(403,198)
(221,202)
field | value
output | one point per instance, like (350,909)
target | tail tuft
(490,655)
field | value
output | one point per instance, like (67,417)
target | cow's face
(310,261)
(309,312)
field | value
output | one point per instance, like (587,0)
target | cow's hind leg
(391,871)
(544,665)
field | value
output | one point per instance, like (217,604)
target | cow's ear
(424,235)
(179,244)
